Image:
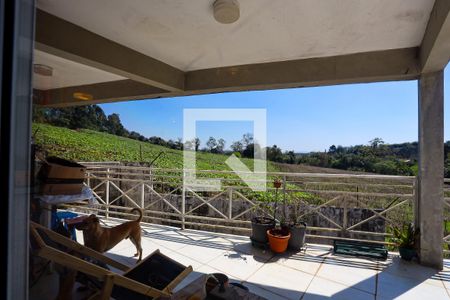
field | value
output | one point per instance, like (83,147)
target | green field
(89,145)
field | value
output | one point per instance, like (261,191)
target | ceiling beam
(64,39)
(104,92)
(435,48)
(398,64)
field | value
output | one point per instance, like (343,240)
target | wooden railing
(335,206)
(447,216)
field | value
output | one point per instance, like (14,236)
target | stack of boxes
(58,176)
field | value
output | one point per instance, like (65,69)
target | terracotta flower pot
(278,240)
(277,183)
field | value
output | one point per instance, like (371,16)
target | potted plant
(297,228)
(405,239)
(260,225)
(280,235)
(262,222)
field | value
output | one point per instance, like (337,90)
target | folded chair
(154,277)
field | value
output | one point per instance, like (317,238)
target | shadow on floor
(394,278)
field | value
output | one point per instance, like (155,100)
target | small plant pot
(217,279)
(278,239)
(297,240)
(407,253)
(260,225)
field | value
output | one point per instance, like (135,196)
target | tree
(249,151)
(197,143)
(171,144)
(237,146)
(211,144)
(179,144)
(100,118)
(274,154)
(386,167)
(376,142)
(115,126)
(88,116)
(340,149)
(290,157)
(220,145)
(157,141)
(134,135)
(332,149)
(247,139)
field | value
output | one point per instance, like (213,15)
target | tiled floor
(313,274)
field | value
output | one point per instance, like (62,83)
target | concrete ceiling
(117,50)
(67,73)
(185,35)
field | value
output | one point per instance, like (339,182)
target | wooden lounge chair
(74,256)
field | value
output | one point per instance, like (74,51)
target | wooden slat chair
(45,243)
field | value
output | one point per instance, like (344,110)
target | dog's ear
(92,218)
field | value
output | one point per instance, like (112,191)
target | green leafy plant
(296,209)
(277,184)
(405,236)
(263,208)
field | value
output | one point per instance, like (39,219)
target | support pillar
(429,200)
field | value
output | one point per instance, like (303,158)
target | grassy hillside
(89,145)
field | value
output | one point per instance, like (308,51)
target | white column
(429,201)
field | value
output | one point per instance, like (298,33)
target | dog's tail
(140,213)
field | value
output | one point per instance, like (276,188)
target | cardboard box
(58,168)
(59,176)
(61,188)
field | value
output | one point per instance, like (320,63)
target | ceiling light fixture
(43,70)
(226,11)
(82,96)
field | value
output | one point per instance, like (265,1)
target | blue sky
(303,119)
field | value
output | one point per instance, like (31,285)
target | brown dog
(102,239)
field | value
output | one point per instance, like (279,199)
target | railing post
(151,177)
(88,179)
(344,217)
(143,195)
(107,194)
(183,203)
(150,174)
(230,203)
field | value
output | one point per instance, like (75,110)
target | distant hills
(86,133)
